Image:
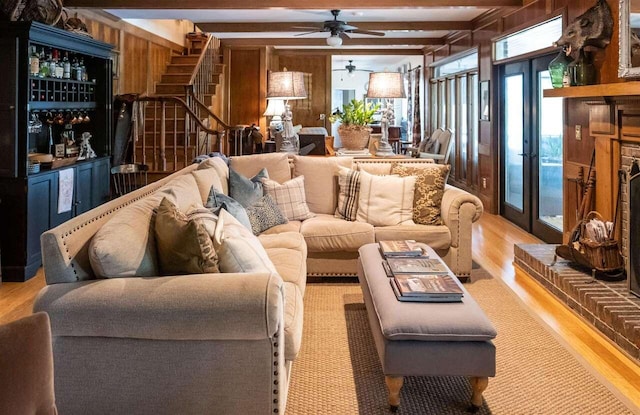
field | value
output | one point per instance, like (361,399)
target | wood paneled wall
(143,56)
(245,86)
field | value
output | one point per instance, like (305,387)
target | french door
(531,149)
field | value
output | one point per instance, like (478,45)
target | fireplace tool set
(592,243)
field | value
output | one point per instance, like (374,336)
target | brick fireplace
(630,243)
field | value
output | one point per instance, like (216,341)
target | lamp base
(384,150)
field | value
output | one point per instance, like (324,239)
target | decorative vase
(354,137)
(558,67)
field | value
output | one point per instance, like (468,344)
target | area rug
(338,372)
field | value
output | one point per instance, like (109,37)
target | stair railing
(169,134)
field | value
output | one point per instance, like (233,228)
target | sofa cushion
(265,214)
(385,200)
(288,253)
(183,241)
(430,182)
(377,168)
(277,165)
(290,197)
(349,191)
(326,233)
(293,318)
(220,166)
(246,191)
(216,201)
(238,249)
(320,180)
(291,226)
(207,179)
(436,236)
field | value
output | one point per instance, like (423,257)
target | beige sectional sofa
(204,343)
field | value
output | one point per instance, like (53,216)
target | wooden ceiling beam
(289,4)
(287,26)
(300,41)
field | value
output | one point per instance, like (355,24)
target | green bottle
(558,67)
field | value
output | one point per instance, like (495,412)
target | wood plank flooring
(493,241)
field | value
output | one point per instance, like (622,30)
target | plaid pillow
(349,183)
(289,197)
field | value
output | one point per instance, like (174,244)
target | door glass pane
(514,134)
(473,124)
(434,106)
(549,155)
(442,108)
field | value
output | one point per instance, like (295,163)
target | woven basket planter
(354,137)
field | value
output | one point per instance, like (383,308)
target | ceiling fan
(351,68)
(339,29)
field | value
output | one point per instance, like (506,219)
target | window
(529,40)
(454,96)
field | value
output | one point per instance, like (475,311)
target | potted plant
(355,117)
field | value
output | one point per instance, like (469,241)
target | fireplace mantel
(619,89)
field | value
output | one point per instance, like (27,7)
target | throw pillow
(238,249)
(349,184)
(427,198)
(184,244)
(290,197)
(385,200)
(265,214)
(246,191)
(217,201)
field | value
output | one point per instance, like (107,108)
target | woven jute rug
(338,371)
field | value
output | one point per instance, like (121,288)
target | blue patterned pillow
(217,201)
(246,191)
(265,214)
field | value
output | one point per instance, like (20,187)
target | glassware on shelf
(558,68)
(584,71)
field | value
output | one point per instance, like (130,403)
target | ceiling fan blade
(347,27)
(320,28)
(308,33)
(344,35)
(366,32)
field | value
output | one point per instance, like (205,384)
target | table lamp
(386,85)
(286,85)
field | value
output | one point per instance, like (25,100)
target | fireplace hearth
(608,306)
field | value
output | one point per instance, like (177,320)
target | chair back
(128,177)
(446,142)
(26,367)
(427,143)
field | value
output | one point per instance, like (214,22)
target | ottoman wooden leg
(394,384)
(478,385)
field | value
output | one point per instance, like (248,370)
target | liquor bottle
(59,67)
(66,66)
(34,62)
(82,70)
(53,63)
(585,71)
(44,65)
(74,68)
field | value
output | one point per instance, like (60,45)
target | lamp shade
(386,85)
(286,85)
(275,107)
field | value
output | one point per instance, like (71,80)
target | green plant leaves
(356,113)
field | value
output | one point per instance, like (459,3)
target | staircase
(176,122)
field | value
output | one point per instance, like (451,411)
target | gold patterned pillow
(430,182)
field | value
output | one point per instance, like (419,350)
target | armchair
(436,147)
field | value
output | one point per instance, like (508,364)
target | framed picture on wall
(484,107)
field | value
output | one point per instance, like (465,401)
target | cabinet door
(41,191)
(84,183)
(101,180)
(58,218)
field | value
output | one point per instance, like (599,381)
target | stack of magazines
(414,276)
(429,288)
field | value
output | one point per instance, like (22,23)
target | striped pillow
(349,184)
(386,200)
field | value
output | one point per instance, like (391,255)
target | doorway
(531,149)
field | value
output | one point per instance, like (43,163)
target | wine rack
(48,93)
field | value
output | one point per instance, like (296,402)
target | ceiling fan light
(351,74)
(334,41)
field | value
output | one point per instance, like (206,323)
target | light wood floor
(493,241)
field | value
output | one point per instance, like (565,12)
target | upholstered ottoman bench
(425,339)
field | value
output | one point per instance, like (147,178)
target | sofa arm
(186,307)
(459,209)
